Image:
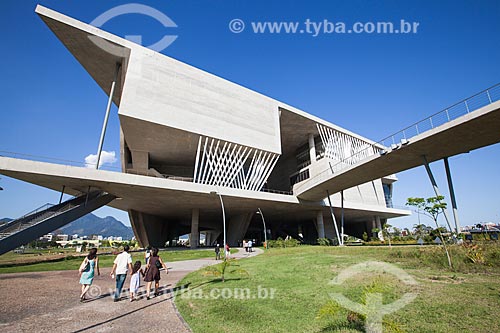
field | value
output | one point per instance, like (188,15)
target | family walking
(121,266)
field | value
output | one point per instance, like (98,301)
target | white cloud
(107,157)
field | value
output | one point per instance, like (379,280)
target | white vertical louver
(343,148)
(228,164)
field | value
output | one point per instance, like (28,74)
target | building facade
(191,141)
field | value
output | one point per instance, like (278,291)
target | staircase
(49,218)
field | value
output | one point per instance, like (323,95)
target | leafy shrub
(326,242)
(282,243)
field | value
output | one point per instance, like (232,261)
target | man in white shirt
(121,265)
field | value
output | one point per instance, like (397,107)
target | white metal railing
(468,105)
(444,116)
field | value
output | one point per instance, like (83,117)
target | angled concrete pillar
(150,230)
(312,149)
(436,190)
(195,232)
(320,225)
(452,195)
(237,228)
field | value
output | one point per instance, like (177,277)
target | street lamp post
(264,223)
(223,219)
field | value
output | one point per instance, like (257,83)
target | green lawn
(72,263)
(465,299)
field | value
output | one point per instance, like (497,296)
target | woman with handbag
(153,272)
(89,265)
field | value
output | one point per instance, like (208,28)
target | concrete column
(140,160)
(208,238)
(379,227)
(320,225)
(374,225)
(312,149)
(195,232)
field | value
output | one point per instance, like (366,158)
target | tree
(432,207)
(420,230)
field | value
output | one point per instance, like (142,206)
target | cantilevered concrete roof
(90,46)
(172,198)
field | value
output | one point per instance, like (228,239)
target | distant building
(47,238)
(62,237)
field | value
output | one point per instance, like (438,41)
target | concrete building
(191,141)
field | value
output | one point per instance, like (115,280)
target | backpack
(158,263)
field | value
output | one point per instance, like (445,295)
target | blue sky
(371,84)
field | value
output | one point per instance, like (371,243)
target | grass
(465,299)
(70,262)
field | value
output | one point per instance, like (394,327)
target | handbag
(84,266)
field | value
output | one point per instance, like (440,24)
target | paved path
(48,301)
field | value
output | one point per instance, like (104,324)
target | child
(135,280)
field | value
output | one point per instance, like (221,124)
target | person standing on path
(228,251)
(87,270)
(217,252)
(250,245)
(153,272)
(121,265)
(147,254)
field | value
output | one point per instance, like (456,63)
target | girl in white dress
(135,280)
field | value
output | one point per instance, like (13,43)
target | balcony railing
(466,106)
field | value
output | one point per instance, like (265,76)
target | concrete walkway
(48,301)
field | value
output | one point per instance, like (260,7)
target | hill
(5,220)
(91,224)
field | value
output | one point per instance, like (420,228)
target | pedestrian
(153,272)
(89,265)
(228,251)
(121,265)
(135,280)
(245,245)
(250,244)
(147,254)
(217,252)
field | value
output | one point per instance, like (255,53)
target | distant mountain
(5,220)
(91,224)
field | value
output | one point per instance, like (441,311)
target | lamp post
(264,223)
(223,219)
